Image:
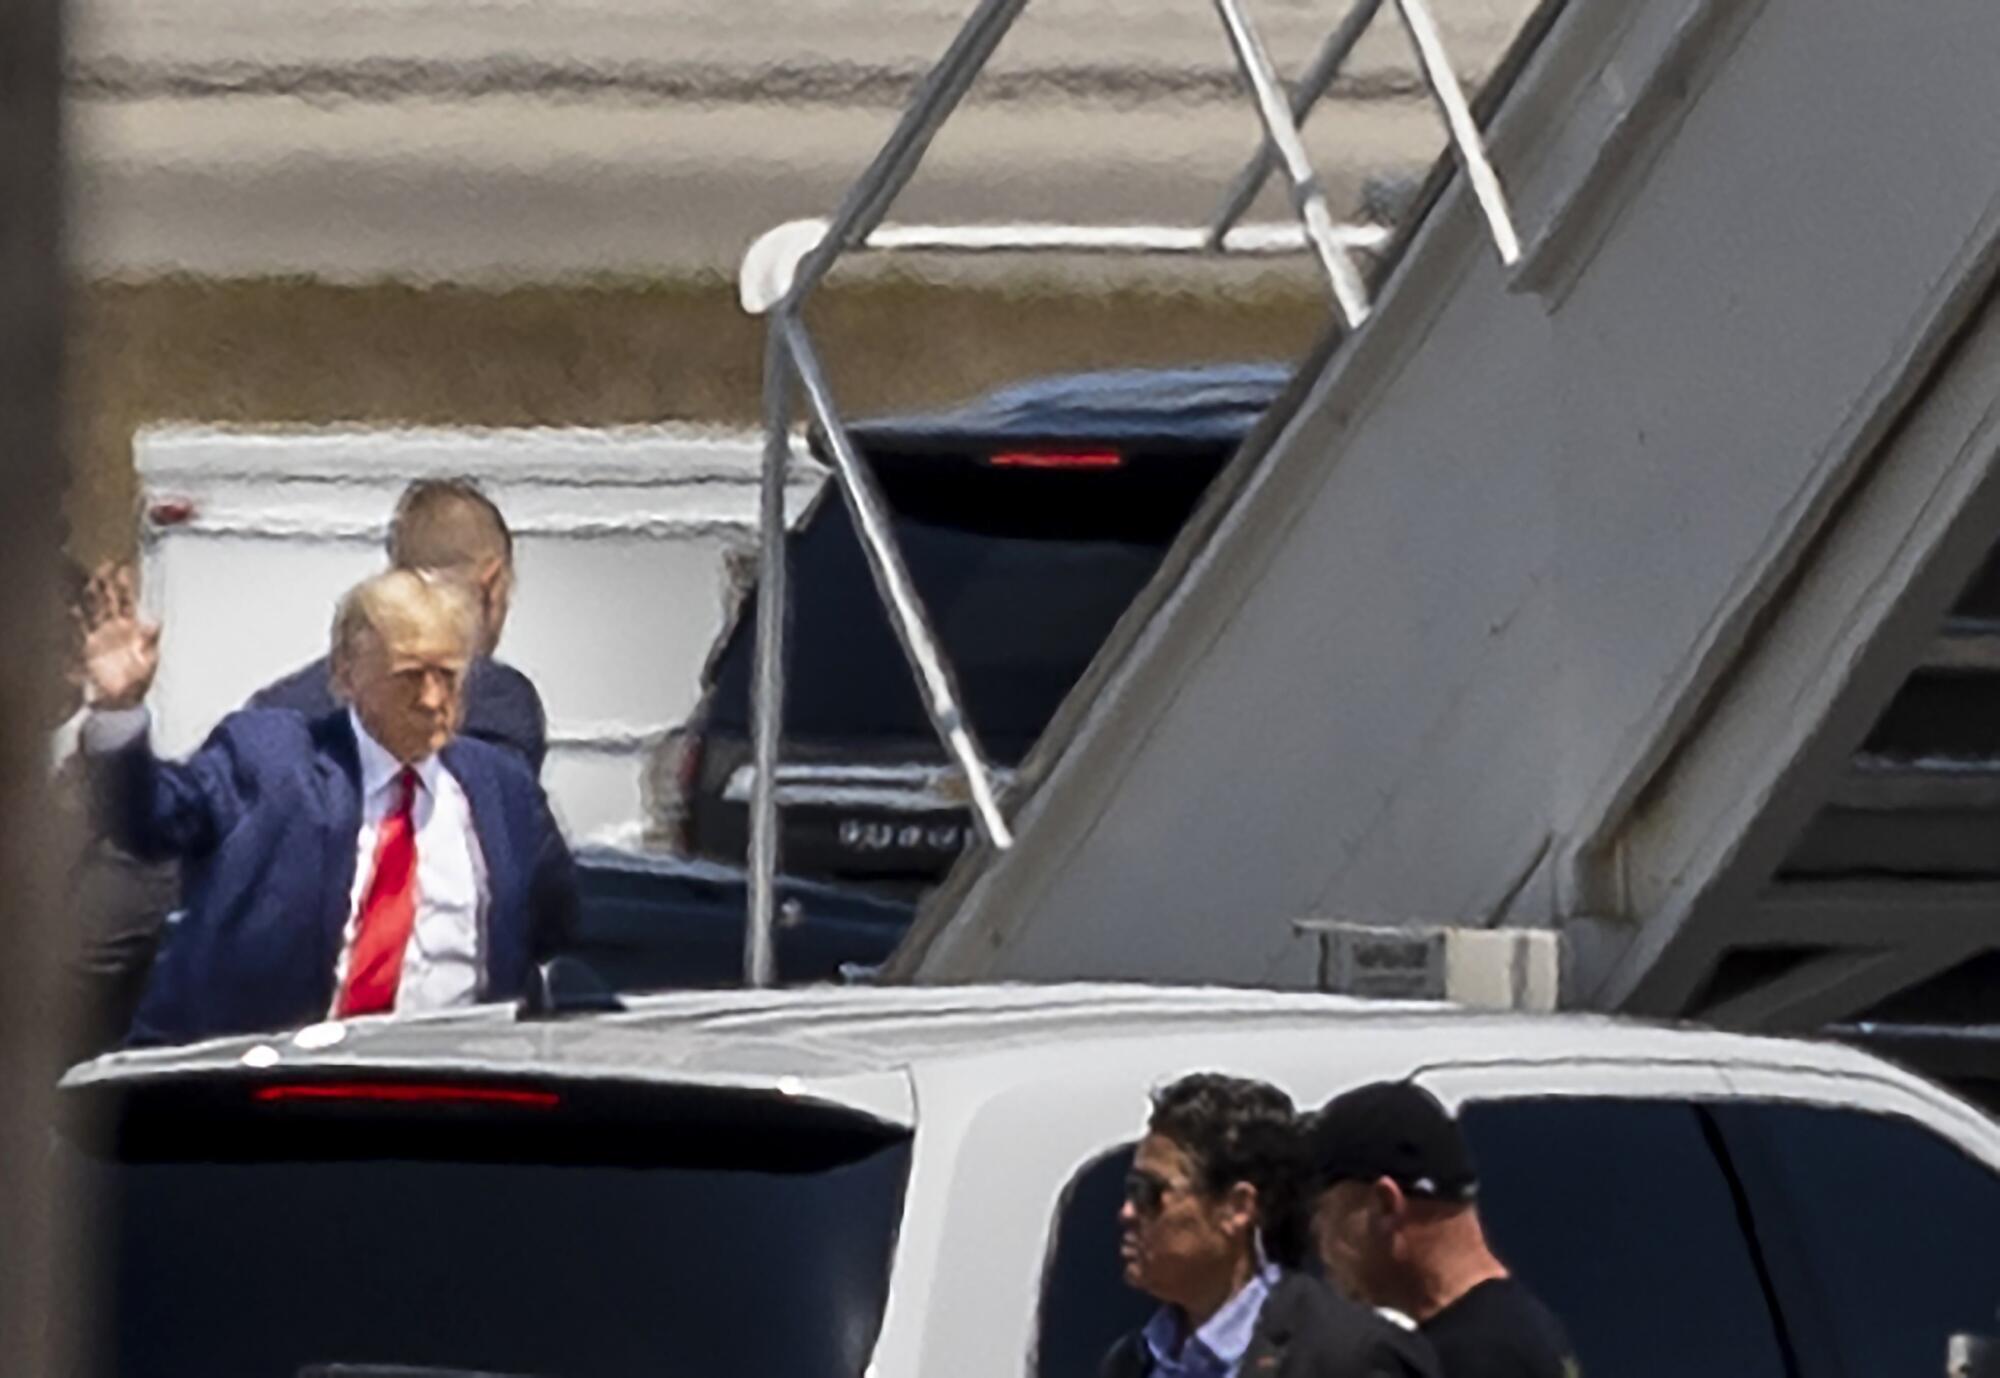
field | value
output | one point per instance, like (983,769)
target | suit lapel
(1265,1358)
(1270,1341)
(338,766)
(501,936)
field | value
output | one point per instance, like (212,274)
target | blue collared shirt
(1216,1350)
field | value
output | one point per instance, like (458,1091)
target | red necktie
(388,911)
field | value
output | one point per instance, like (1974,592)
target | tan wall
(277,351)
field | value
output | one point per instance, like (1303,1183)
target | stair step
(1876,784)
(1966,645)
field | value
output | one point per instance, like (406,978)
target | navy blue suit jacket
(264,818)
(501,705)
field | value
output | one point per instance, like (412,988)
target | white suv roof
(869,1048)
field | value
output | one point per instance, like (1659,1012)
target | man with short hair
(364,862)
(1396,1225)
(1211,1229)
(450,527)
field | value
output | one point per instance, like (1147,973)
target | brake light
(1058,459)
(407,1093)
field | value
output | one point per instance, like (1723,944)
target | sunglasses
(1146,1193)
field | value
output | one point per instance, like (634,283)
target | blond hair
(405,596)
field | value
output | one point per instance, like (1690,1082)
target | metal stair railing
(786,265)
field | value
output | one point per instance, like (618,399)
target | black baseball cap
(1393,1129)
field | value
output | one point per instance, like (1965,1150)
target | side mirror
(1972,1356)
(564,986)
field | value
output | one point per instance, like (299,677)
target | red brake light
(1058,459)
(407,1093)
(171,512)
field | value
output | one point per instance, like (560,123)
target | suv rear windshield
(1020,617)
(598,1234)
(1030,520)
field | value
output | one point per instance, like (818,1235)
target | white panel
(596,794)
(613,629)
(237,613)
(621,536)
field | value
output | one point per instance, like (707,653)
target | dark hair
(447,523)
(1237,1130)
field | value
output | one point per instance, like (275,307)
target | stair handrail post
(1350,291)
(1466,141)
(767,700)
(1307,92)
(869,199)
(942,699)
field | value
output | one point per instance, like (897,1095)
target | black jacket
(501,705)
(1306,1330)
(117,905)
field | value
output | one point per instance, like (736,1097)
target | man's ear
(494,586)
(1240,1206)
(1390,1200)
(492,577)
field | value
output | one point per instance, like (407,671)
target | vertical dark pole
(31,290)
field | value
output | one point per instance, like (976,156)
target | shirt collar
(379,768)
(1225,1336)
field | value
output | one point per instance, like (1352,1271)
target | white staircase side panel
(1691,857)
(1475,594)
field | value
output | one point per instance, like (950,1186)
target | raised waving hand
(121,649)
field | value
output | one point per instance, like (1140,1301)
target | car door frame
(1861,1089)
(1872,1089)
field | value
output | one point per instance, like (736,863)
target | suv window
(1622,1216)
(1086,1306)
(1885,1238)
(610,1234)
(1019,616)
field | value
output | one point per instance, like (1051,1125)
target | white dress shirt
(66,740)
(109,729)
(441,963)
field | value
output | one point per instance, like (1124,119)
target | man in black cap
(1211,1228)
(1396,1226)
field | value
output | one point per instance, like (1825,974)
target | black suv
(1030,519)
